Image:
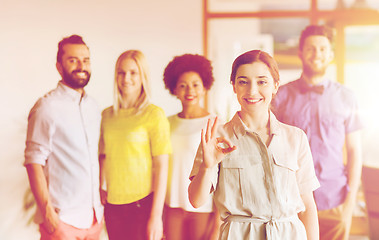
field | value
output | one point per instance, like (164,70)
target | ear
(174,92)
(331,55)
(234,87)
(276,87)
(299,53)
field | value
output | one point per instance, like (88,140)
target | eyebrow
(263,76)
(71,57)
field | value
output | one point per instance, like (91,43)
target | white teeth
(253,100)
(81,74)
(189,97)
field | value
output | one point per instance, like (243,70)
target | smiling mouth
(253,100)
(189,98)
(83,74)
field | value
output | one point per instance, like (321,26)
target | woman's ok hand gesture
(212,150)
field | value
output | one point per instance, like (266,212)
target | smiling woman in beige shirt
(260,170)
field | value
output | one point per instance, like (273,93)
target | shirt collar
(71,93)
(240,128)
(318,88)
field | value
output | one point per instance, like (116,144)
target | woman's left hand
(155,228)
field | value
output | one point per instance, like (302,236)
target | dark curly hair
(188,63)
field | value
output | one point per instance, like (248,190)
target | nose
(317,53)
(253,88)
(80,65)
(128,76)
(189,88)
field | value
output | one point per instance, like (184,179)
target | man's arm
(40,191)
(354,166)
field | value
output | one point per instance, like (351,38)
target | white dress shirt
(63,134)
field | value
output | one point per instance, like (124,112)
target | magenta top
(326,112)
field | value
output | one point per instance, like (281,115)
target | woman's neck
(193,112)
(256,122)
(128,102)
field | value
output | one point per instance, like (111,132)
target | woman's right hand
(103,196)
(212,151)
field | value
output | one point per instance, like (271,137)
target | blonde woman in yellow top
(133,154)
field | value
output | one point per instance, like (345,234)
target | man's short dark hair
(316,30)
(73,39)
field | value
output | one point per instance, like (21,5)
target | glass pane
(361,75)
(286,34)
(256,5)
(228,38)
(340,4)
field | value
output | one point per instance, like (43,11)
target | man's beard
(311,72)
(75,82)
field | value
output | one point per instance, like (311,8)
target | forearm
(354,164)
(160,172)
(101,170)
(309,217)
(217,224)
(354,176)
(38,185)
(200,187)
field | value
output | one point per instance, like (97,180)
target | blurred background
(220,29)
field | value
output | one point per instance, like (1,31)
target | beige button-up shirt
(257,188)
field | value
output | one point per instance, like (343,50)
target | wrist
(205,168)
(48,211)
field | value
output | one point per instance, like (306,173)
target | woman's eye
(262,82)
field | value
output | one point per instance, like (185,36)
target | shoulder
(345,94)
(154,111)
(107,112)
(290,85)
(291,132)
(289,128)
(172,117)
(46,103)
(287,90)
(226,129)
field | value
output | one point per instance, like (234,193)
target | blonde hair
(144,98)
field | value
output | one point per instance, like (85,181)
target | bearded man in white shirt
(61,151)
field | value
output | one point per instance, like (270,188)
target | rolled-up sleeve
(39,136)
(196,166)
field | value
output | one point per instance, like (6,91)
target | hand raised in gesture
(213,147)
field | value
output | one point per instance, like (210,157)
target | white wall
(29,33)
